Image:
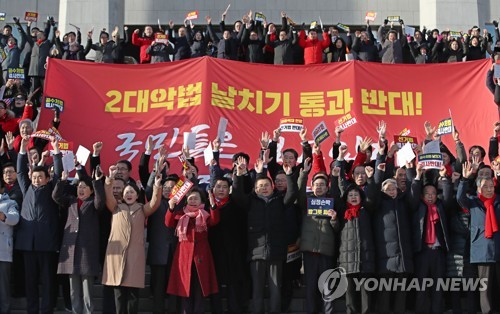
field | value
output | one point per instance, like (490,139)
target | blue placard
(319,206)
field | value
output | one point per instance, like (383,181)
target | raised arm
(111,202)
(154,203)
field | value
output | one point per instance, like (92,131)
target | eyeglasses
(8,171)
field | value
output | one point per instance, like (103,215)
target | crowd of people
(237,234)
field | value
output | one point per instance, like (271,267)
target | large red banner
(121,105)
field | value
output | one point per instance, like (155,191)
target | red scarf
(11,46)
(222,202)
(432,219)
(9,186)
(39,41)
(490,225)
(272,38)
(449,170)
(200,216)
(79,202)
(352,211)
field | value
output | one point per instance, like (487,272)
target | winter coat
(366,50)
(125,263)
(198,47)
(392,52)
(226,48)
(196,250)
(160,52)
(482,250)
(143,43)
(103,53)
(313,49)
(38,229)
(9,123)
(419,221)
(391,224)
(79,254)
(266,229)
(39,54)
(182,47)
(12,59)
(283,49)
(319,234)
(459,245)
(9,208)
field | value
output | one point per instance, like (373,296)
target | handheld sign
(221,130)
(31,16)
(455,34)
(82,155)
(181,188)
(319,206)
(346,121)
(410,30)
(445,126)
(161,38)
(393,18)
(291,125)
(15,73)
(343,27)
(190,140)
(193,15)
(3,55)
(208,154)
(320,133)
(405,154)
(2,16)
(313,25)
(51,102)
(371,16)
(259,17)
(402,140)
(431,161)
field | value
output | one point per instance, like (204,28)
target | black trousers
(314,266)
(430,263)
(108,300)
(159,281)
(126,300)
(491,272)
(392,301)
(357,301)
(195,303)
(291,272)
(40,266)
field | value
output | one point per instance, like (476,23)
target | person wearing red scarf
(430,235)
(357,249)
(192,276)
(485,236)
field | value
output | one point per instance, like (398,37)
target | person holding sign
(313,47)
(197,41)
(430,235)
(125,263)
(357,250)
(193,274)
(320,228)
(159,50)
(392,47)
(267,232)
(484,233)
(391,223)
(252,41)
(283,46)
(105,50)
(364,45)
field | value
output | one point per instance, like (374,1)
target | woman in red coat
(193,273)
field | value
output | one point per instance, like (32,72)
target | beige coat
(125,263)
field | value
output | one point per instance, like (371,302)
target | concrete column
(86,14)
(457,15)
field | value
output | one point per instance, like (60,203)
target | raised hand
(429,130)
(338,131)
(259,165)
(172,202)
(64,175)
(264,140)
(342,152)
(149,145)
(211,198)
(241,166)
(276,135)
(185,152)
(420,171)
(113,170)
(332,214)
(496,127)
(307,164)
(456,135)
(369,171)
(467,170)
(392,149)
(381,129)
(9,139)
(158,178)
(381,167)
(442,171)
(365,144)
(266,157)
(288,169)
(303,134)
(97,147)
(216,144)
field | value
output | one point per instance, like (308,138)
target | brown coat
(125,263)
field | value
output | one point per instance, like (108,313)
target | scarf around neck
(490,224)
(200,216)
(352,211)
(432,219)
